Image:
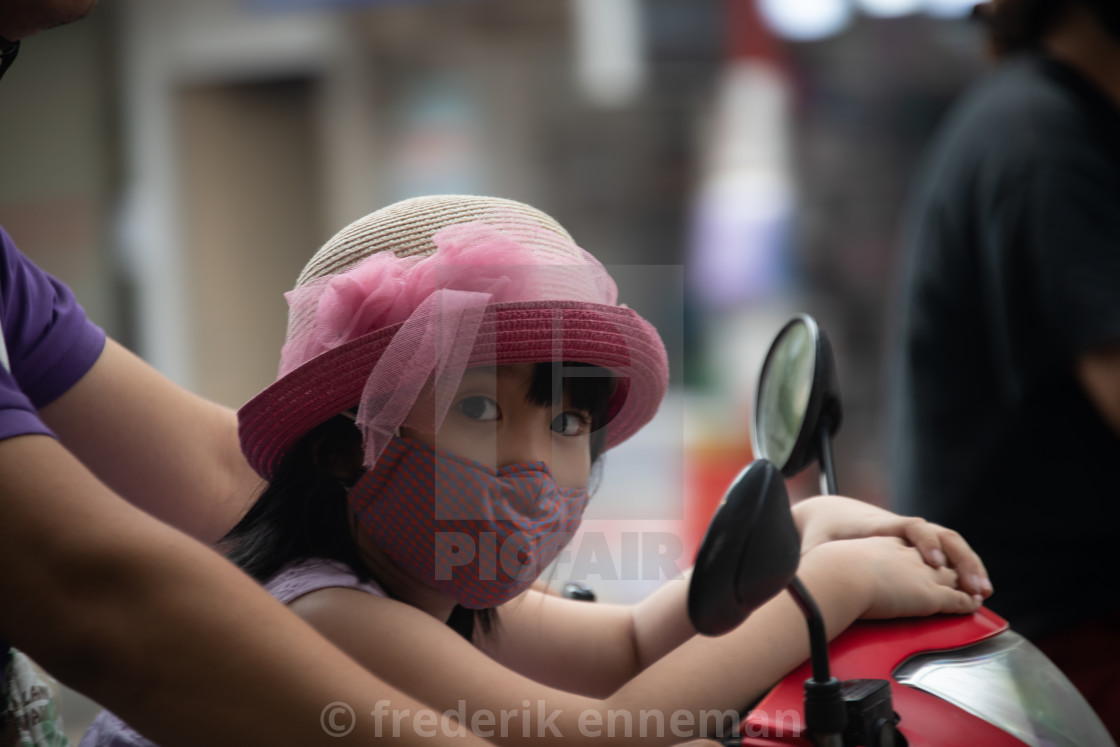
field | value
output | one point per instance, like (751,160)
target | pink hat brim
(612,337)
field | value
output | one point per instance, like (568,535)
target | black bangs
(302,513)
(587,388)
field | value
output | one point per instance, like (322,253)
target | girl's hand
(894,579)
(831,517)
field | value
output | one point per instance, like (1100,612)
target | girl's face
(492,420)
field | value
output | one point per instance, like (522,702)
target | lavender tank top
(311,575)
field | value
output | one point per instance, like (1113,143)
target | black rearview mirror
(797,403)
(749,554)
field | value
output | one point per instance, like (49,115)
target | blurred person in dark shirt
(1006,416)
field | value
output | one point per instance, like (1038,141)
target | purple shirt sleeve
(49,344)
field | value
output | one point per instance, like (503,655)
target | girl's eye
(479,408)
(570,423)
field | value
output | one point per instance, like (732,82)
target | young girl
(455,367)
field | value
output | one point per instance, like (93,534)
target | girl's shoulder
(306,576)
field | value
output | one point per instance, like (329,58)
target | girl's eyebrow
(499,372)
(489,373)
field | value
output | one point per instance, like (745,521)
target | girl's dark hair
(303,513)
(1022,25)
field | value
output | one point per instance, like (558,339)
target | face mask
(479,535)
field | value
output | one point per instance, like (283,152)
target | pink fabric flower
(385,289)
(370,296)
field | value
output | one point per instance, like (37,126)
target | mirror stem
(826,713)
(828,468)
(818,641)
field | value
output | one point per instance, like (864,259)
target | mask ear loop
(8,52)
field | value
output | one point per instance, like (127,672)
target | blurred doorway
(251,219)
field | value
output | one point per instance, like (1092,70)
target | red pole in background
(745,144)
(746,35)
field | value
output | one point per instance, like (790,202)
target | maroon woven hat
(420,290)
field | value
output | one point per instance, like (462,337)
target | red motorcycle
(942,680)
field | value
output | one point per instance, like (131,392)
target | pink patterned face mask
(479,535)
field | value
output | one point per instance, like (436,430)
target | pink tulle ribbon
(440,301)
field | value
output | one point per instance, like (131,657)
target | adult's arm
(1073,215)
(1099,374)
(168,451)
(158,627)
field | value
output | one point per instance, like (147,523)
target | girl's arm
(628,638)
(831,517)
(634,637)
(701,681)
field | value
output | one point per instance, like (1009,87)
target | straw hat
(386,270)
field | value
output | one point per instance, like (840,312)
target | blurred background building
(176,164)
